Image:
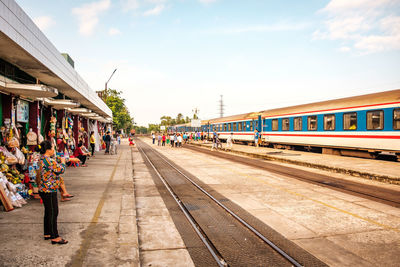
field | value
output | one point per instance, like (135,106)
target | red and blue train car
(361,126)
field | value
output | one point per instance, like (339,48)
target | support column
(34,116)
(60,116)
(85,126)
(75,128)
(7,105)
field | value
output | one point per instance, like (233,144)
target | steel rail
(251,228)
(328,181)
(211,248)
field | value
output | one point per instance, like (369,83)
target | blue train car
(361,126)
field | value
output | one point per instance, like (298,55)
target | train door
(259,124)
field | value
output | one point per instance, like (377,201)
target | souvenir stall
(15,183)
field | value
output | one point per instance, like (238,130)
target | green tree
(140,129)
(121,117)
(180,119)
(166,120)
(154,128)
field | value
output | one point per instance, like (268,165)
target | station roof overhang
(28,90)
(61,103)
(16,55)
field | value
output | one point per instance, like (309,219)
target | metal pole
(105,88)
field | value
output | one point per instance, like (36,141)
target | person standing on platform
(154,138)
(176,140)
(229,142)
(172,140)
(107,140)
(159,139)
(164,138)
(48,183)
(256,136)
(92,142)
(180,139)
(214,142)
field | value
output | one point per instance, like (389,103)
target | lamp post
(104,93)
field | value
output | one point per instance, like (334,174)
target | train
(362,126)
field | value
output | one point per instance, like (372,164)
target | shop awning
(61,103)
(28,90)
(79,110)
(87,114)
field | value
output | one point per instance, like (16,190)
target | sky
(173,56)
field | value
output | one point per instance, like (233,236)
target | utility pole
(103,94)
(221,107)
(195,112)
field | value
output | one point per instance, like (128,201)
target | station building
(40,91)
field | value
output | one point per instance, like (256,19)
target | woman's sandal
(69,196)
(47,237)
(61,242)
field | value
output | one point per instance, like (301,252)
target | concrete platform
(339,229)
(386,171)
(104,223)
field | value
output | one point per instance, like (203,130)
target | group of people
(176,139)
(216,142)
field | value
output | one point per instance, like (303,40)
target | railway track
(228,236)
(378,194)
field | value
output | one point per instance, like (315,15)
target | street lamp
(103,94)
(109,79)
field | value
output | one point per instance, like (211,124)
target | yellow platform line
(80,256)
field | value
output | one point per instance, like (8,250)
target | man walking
(229,142)
(107,140)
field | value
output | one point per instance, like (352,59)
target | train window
(297,124)
(350,121)
(275,125)
(239,126)
(251,125)
(329,122)
(396,119)
(224,127)
(229,127)
(255,125)
(234,127)
(375,120)
(312,123)
(285,124)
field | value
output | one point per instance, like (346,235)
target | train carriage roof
(187,124)
(245,116)
(386,97)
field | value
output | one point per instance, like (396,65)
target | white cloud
(88,15)
(114,31)
(344,49)
(368,25)
(44,22)
(154,11)
(130,4)
(207,1)
(262,28)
